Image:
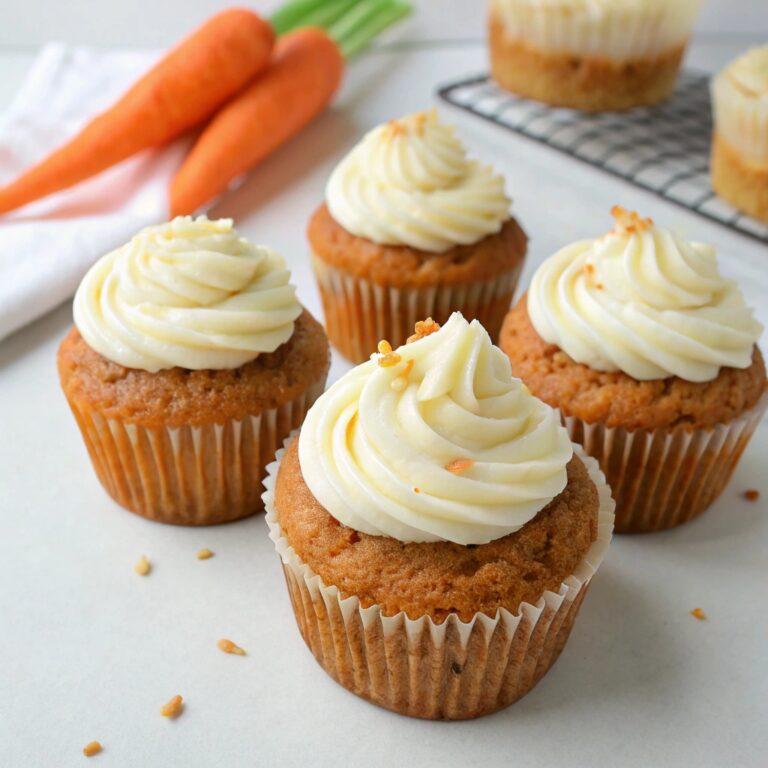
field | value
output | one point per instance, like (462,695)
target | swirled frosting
(434,442)
(620,30)
(409,182)
(643,301)
(190,293)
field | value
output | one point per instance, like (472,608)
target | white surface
(89,650)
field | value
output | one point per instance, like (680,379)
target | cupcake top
(749,73)
(410,182)
(616,29)
(190,293)
(435,441)
(643,301)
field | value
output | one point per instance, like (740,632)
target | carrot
(182,90)
(304,73)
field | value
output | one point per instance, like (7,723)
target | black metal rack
(664,149)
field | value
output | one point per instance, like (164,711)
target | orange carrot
(304,73)
(182,90)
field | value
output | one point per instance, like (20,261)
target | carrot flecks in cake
(697,613)
(204,554)
(457,466)
(142,566)
(92,748)
(751,494)
(229,647)
(423,328)
(628,222)
(173,707)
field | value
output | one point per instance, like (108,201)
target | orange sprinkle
(172,707)
(92,748)
(229,647)
(751,494)
(390,359)
(384,347)
(423,328)
(697,613)
(459,465)
(204,554)
(629,222)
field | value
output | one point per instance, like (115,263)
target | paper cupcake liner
(190,475)
(450,671)
(359,313)
(664,478)
(741,120)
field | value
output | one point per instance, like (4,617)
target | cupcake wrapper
(359,313)
(741,120)
(661,478)
(450,671)
(190,475)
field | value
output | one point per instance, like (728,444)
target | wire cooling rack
(664,149)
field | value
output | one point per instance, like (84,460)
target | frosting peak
(190,293)
(410,182)
(434,441)
(644,301)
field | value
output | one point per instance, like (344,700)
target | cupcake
(436,529)
(593,55)
(189,363)
(740,140)
(411,228)
(650,355)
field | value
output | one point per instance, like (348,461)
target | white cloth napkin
(46,247)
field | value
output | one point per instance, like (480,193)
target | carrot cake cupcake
(436,529)
(651,357)
(740,140)
(593,55)
(411,228)
(189,363)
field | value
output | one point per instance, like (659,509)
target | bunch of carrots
(256,83)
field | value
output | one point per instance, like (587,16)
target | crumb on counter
(92,748)
(751,494)
(229,647)
(143,566)
(697,613)
(457,466)
(204,554)
(172,707)
(423,328)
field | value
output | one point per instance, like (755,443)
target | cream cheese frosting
(435,441)
(619,30)
(410,182)
(740,97)
(644,301)
(191,293)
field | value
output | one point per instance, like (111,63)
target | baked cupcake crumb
(173,707)
(229,647)
(143,566)
(751,494)
(629,222)
(92,748)
(697,613)
(204,554)
(423,328)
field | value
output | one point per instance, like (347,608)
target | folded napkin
(46,247)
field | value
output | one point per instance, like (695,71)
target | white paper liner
(741,120)
(450,671)
(359,313)
(190,475)
(662,478)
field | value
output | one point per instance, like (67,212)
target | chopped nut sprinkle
(384,347)
(629,222)
(423,328)
(229,647)
(416,489)
(697,613)
(142,567)
(92,748)
(390,359)
(204,554)
(751,494)
(457,466)
(172,708)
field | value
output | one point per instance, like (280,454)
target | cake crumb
(92,748)
(229,647)
(628,222)
(423,328)
(204,554)
(751,494)
(457,466)
(172,708)
(389,359)
(416,489)
(697,613)
(143,566)
(384,347)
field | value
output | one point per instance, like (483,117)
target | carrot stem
(304,13)
(355,30)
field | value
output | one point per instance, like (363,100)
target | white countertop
(89,650)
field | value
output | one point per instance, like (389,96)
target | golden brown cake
(411,228)
(436,530)
(650,357)
(604,56)
(188,444)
